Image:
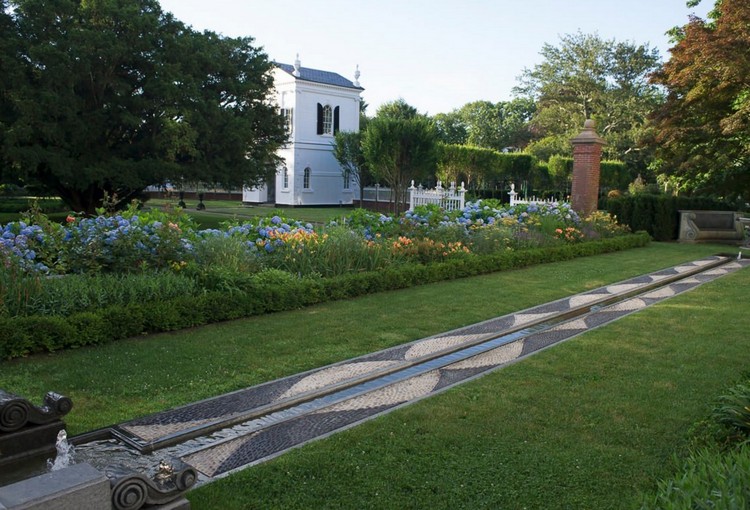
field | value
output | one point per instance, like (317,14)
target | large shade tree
(585,77)
(115,95)
(10,70)
(702,133)
(500,126)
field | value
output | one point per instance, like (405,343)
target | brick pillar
(587,156)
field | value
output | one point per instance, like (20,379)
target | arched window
(288,115)
(347,179)
(285,177)
(306,178)
(328,120)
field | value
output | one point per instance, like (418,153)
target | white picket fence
(450,199)
(532,200)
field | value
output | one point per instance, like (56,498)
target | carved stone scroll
(132,490)
(17,412)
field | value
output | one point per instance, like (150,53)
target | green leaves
(733,410)
(701,132)
(588,77)
(114,96)
(347,149)
(399,150)
(487,125)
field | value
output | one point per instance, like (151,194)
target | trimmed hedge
(658,214)
(482,168)
(271,292)
(613,174)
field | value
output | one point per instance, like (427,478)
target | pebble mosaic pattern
(260,445)
(211,413)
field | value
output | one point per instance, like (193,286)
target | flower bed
(158,264)
(135,241)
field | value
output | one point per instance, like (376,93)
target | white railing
(378,193)
(532,200)
(450,199)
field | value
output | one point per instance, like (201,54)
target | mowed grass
(586,424)
(592,423)
(220,211)
(120,381)
(216,213)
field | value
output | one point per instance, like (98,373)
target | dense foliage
(716,473)
(588,77)
(108,97)
(347,149)
(614,175)
(483,169)
(701,131)
(500,126)
(399,150)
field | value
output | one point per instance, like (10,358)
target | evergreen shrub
(658,214)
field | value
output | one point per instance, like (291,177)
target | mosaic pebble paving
(260,445)
(226,456)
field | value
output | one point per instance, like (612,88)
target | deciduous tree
(399,150)
(488,125)
(588,77)
(702,132)
(10,69)
(398,109)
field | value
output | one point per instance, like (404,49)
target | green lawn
(215,213)
(587,424)
(12,208)
(218,211)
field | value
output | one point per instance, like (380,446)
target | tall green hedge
(658,214)
(481,168)
(613,174)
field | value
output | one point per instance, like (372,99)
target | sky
(437,55)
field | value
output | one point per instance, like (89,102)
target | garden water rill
(220,435)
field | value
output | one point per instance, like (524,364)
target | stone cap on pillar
(588,135)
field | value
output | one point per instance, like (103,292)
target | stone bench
(745,222)
(711,226)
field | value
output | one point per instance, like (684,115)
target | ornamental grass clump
(24,294)
(338,251)
(733,412)
(716,473)
(710,480)
(18,289)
